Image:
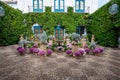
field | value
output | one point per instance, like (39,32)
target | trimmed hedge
(11,25)
(106,26)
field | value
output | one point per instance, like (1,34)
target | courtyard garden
(60,46)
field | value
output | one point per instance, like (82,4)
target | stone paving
(59,66)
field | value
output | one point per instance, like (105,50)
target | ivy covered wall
(106,26)
(50,19)
(11,25)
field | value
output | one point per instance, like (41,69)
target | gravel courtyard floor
(59,66)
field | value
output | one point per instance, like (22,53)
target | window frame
(39,7)
(59,8)
(79,5)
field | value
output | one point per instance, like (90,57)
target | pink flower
(41,53)
(97,50)
(77,54)
(49,52)
(81,52)
(35,50)
(87,50)
(69,45)
(101,50)
(20,50)
(35,45)
(50,44)
(68,51)
(85,46)
(31,50)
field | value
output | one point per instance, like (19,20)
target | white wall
(13,5)
(93,5)
(23,5)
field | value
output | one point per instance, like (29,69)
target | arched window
(79,5)
(37,5)
(59,5)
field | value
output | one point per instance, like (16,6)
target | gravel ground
(59,66)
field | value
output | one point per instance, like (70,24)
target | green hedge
(11,25)
(105,26)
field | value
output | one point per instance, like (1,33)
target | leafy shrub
(11,25)
(105,26)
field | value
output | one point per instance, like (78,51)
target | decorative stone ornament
(113,9)
(2,11)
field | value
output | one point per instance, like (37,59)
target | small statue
(83,40)
(93,43)
(23,42)
(43,36)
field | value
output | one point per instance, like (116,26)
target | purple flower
(87,50)
(96,50)
(41,53)
(81,52)
(21,50)
(68,51)
(35,50)
(49,52)
(18,48)
(77,54)
(101,50)
(31,50)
